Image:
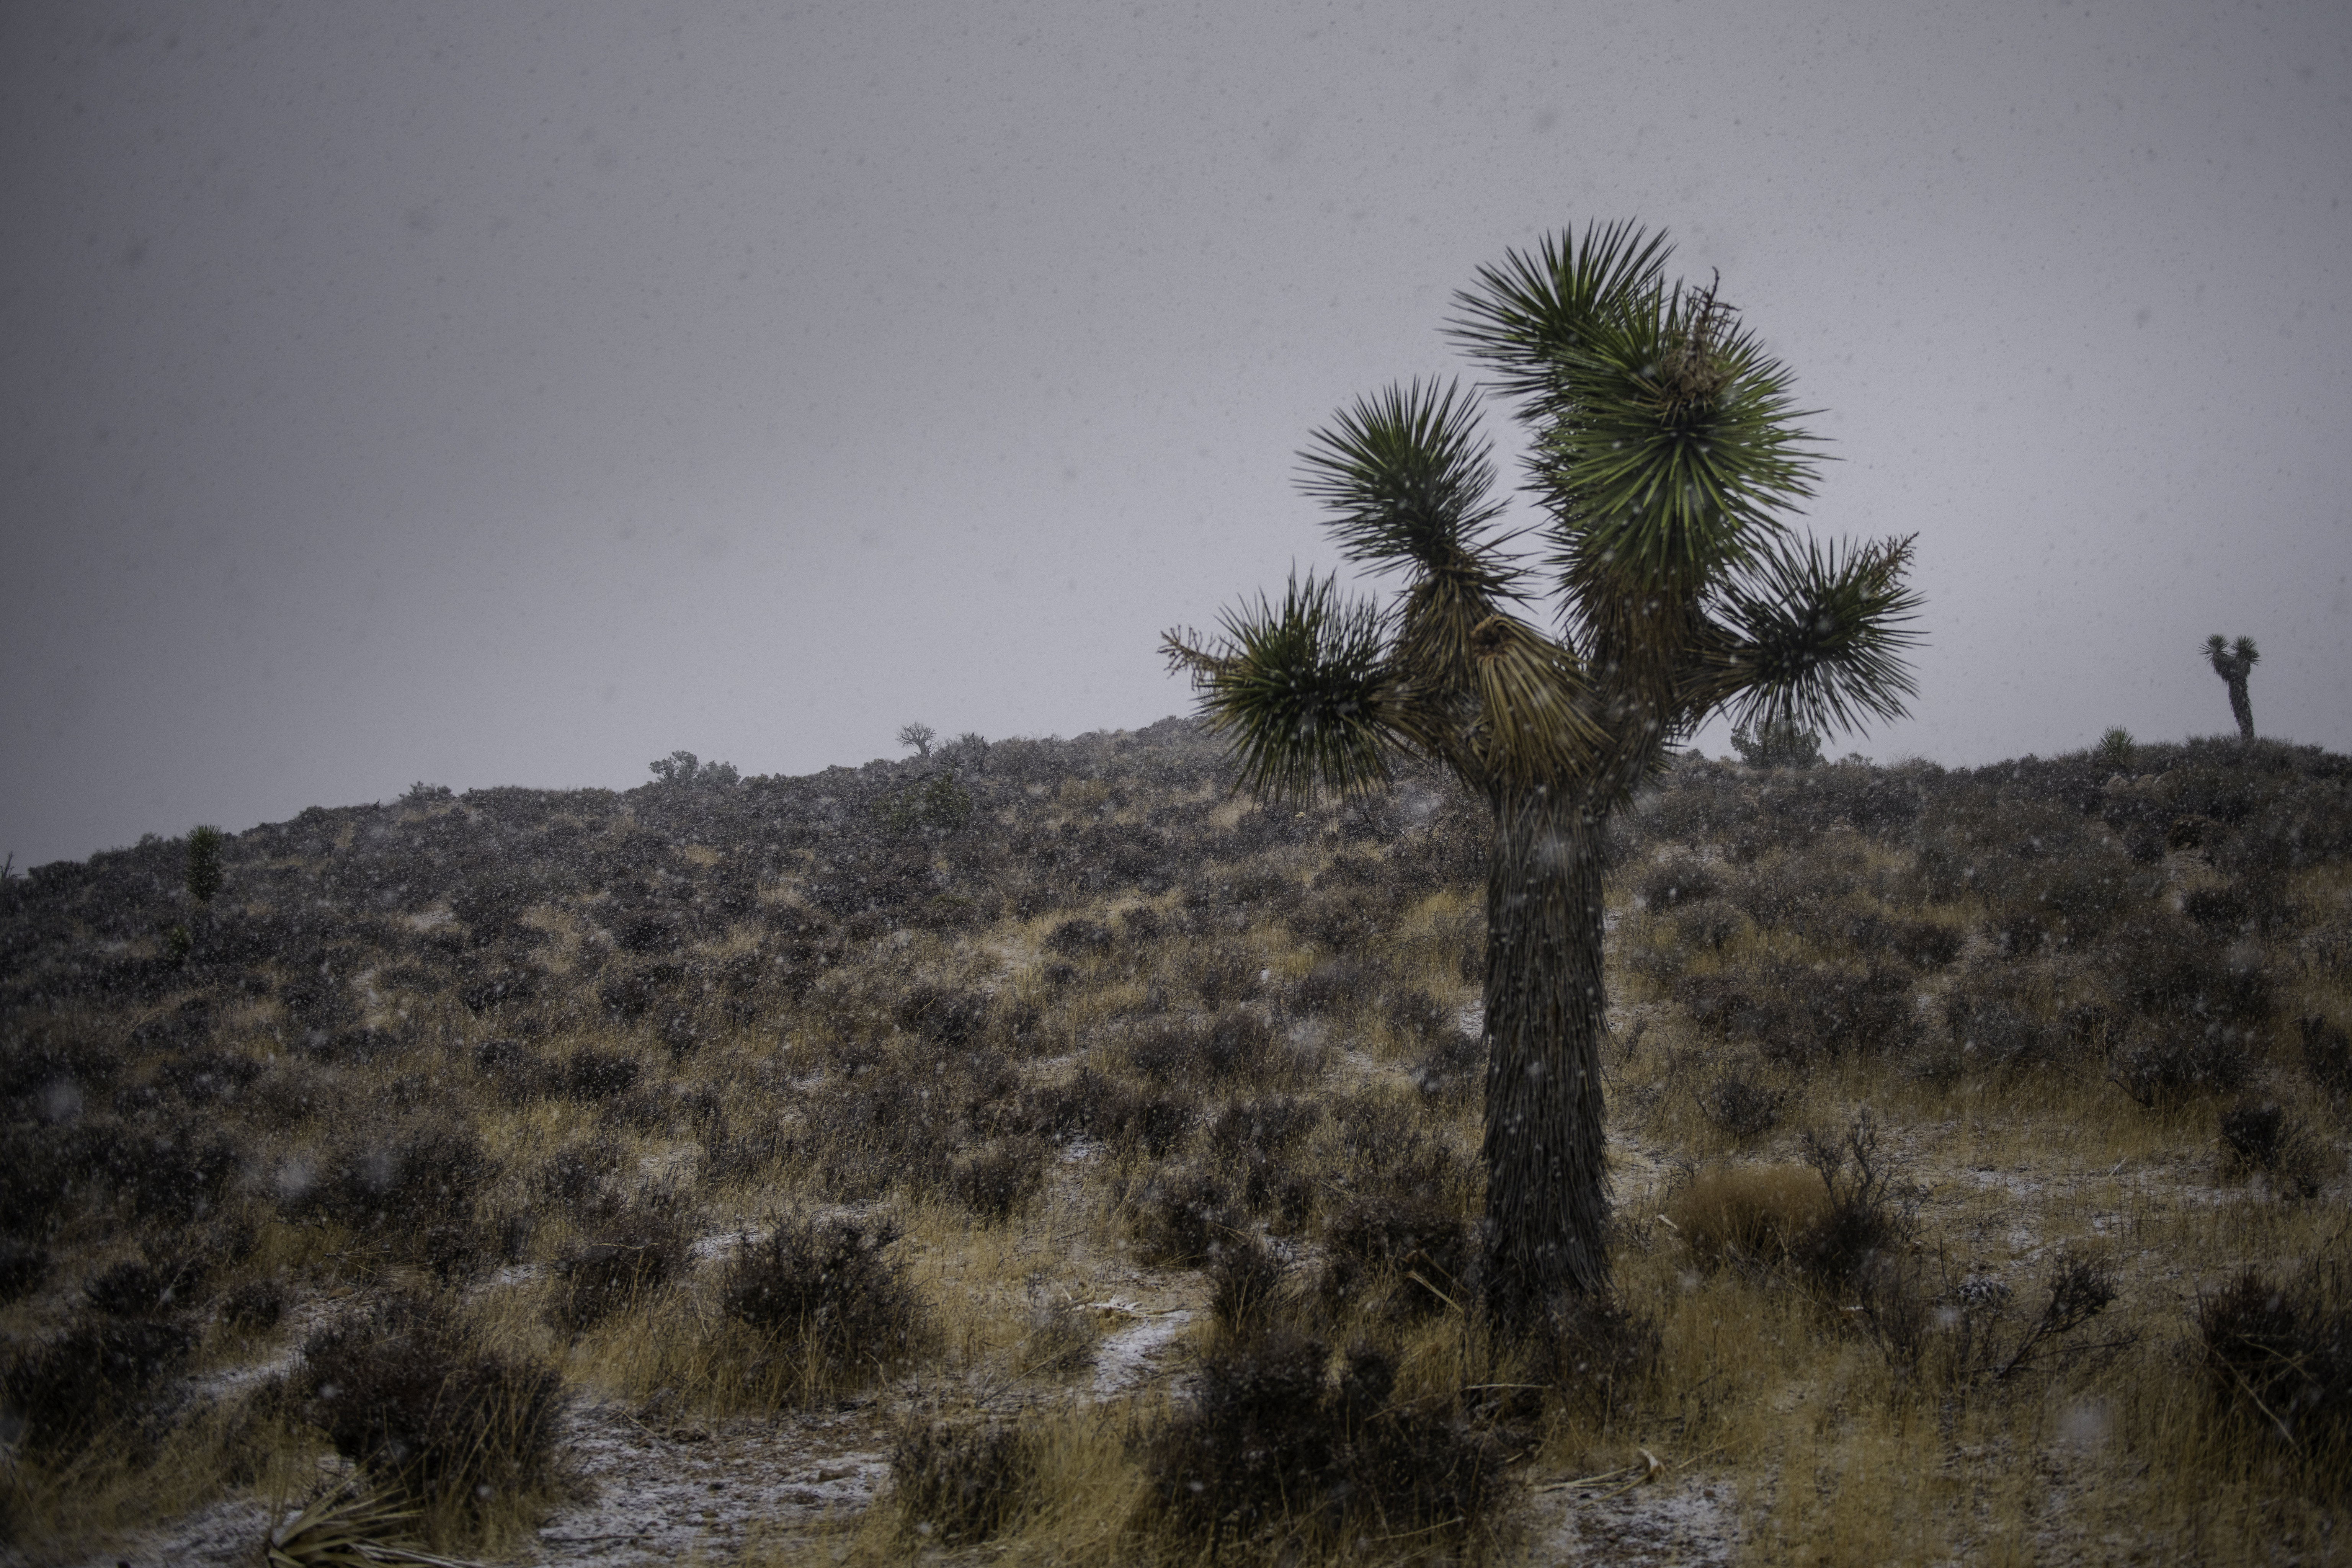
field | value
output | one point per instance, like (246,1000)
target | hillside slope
(835,1163)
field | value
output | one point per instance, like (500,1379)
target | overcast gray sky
(499,394)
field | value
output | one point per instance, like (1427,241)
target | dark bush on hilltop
(409,1396)
(1274,1451)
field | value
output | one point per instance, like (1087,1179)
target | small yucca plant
(348,1529)
(204,864)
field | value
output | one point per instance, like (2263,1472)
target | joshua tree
(1786,745)
(918,735)
(1662,442)
(2233,663)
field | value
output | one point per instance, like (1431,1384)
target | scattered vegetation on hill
(1979,1139)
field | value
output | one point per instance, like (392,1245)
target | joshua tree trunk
(1546,1150)
(2241,707)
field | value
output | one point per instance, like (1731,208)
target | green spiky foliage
(2233,662)
(204,864)
(2116,748)
(1663,446)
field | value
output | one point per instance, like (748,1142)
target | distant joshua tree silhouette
(2233,663)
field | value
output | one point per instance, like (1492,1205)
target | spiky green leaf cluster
(1302,689)
(1665,446)
(1818,634)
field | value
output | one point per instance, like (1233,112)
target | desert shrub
(1853,1245)
(23,1266)
(1983,1338)
(1245,1279)
(1181,1215)
(1410,1254)
(2165,968)
(575,1178)
(596,1278)
(1236,1045)
(1805,1013)
(996,1182)
(1677,884)
(1596,1351)
(166,1177)
(1221,973)
(1706,924)
(1741,1104)
(944,1015)
(146,1287)
(1746,1213)
(516,1073)
(1344,920)
(1454,1069)
(824,1292)
(1336,984)
(2263,1137)
(1927,944)
(2278,1359)
(1272,1451)
(593,1075)
(1997,1031)
(1080,939)
(1383,1148)
(957,1484)
(2164,1065)
(429,1171)
(1418,1016)
(1267,1126)
(2327,1054)
(66,1390)
(411,1397)
(255,1306)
